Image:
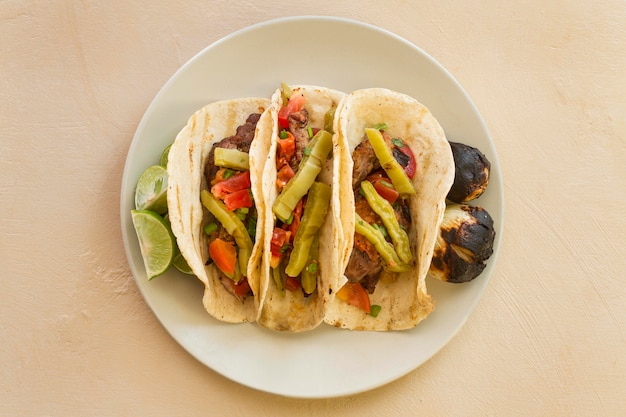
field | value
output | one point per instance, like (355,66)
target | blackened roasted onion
(464,243)
(471,175)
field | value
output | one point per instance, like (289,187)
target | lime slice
(181,264)
(165,156)
(179,261)
(156,241)
(151,192)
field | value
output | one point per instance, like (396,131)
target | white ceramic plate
(336,53)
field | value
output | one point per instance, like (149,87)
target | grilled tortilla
(402,296)
(187,169)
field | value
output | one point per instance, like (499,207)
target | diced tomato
(383,186)
(283,117)
(240,289)
(280,237)
(297,215)
(292,284)
(386,190)
(238,199)
(224,254)
(411,166)
(295,104)
(376,176)
(237,182)
(354,294)
(284,175)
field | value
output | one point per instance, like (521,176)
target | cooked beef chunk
(361,268)
(365,162)
(241,140)
(220,233)
(246,131)
(370,280)
(298,123)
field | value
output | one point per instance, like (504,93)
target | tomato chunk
(284,175)
(237,182)
(383,186)
(295,104)
(386,190)
(297,216)
(224,254)
(354,294)
(238,199)
(280,237)
(240,289)
(292,284)
(283,117)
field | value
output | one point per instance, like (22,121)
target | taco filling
(383,167)
(303,201)
(230,233)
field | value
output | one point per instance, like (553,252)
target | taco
(214,201)
(299,261)
(393,169)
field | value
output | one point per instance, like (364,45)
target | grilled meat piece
(365,161)
(298,123)
(241,141)
(361,268)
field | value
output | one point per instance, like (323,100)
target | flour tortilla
(291,311)
(405,301)
(187,159)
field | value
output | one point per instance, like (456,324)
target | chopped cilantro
(374,310)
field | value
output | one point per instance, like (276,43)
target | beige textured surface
(547,339)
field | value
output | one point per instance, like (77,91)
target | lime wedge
(151,192)
(165,156)
(181,264)
(156,242)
